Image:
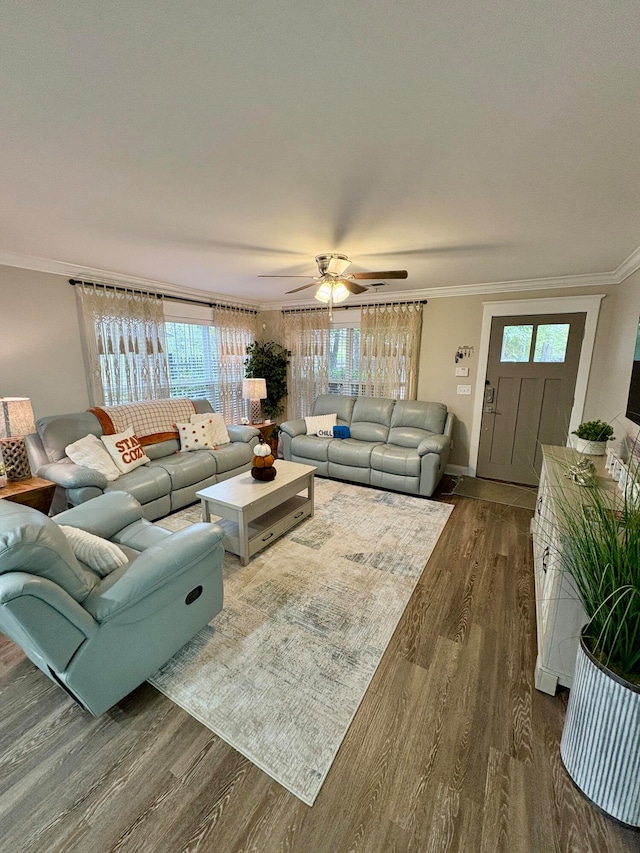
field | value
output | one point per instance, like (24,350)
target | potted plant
(269,361)
(599,533)
(592,437)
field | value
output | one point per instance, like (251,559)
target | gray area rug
(280,672)
(500,493)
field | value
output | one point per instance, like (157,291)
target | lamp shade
(254,389)
(16,417)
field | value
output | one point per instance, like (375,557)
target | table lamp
(16,421)
(254,390)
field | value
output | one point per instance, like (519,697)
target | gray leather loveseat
(166,483)
(402,445)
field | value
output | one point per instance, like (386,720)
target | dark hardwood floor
(452,748)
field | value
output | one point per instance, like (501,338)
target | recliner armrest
(144,578)
(103,516)
(435,443)
(293,428)
(71,476)
(14,585)
(239,432)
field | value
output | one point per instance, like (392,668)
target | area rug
(500,493)
(280,672)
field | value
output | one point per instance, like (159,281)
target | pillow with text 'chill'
(321,425)
(90,452)
(217,429)
(194,437)
(99,554)
(125,449)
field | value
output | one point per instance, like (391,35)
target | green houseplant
(592,437)
(599,533)
(269,361)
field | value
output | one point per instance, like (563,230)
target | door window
(551,342)
(516,343)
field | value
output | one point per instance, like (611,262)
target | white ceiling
(204,143)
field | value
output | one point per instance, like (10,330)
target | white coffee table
(254,513)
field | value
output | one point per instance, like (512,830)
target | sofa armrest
(448,426)
(239,432)
(293,428)
(140,583)
(435,443)
(71,476)
(103,516)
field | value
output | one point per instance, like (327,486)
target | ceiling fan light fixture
(340,292)
(338,264)
(323,293)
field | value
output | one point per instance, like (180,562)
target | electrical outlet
(464,389)
(462,371)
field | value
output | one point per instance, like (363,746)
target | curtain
(124,345)
(235,330)
(306,335)
(390,350)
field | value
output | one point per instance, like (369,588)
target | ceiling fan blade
(304,287)
(289,276)
(352,287)
(364,276)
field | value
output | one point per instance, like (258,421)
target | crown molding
(623,271)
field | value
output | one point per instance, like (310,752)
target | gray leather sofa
(401,445)
(166,483)
(100,637)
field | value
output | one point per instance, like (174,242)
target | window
(551,342)
(191,353)
(516,343)
(344,360)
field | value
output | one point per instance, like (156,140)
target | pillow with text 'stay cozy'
(125,449)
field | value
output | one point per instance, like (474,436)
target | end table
(34,492)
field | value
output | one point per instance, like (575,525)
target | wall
(40,352)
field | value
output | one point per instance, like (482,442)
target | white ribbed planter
(600,746)
(592,448)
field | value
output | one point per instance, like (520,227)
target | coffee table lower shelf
(268,527)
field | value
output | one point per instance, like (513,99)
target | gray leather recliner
(401,445)
(100,637)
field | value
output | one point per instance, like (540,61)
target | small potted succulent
(592,437)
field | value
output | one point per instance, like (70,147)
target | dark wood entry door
(528,396)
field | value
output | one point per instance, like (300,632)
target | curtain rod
(74,281)
(347,307)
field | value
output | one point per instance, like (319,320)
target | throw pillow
(91,453)
(98,553)
(194,436)
(341,432)
(321,425)
(216,426)
(125,449)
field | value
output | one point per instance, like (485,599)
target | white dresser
(559,614)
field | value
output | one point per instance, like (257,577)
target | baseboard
(457,470)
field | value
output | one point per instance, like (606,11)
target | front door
(528,395)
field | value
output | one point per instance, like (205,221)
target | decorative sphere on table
(262,462)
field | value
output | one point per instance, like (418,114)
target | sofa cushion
(185,469)
(417,414)
(349,451)
(57,431)
(146,483)
(327,404)
(391,459)
(311,447)
(231,456)
(371,418)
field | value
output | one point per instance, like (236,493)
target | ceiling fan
(332,283)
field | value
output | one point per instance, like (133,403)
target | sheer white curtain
(235,330)
(124,345)
(306,335)
(390,350)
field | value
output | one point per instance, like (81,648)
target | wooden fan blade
(352,287)
(288,276)
(368,276)
(304,287)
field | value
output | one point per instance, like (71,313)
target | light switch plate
(462,371)
(464,389)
